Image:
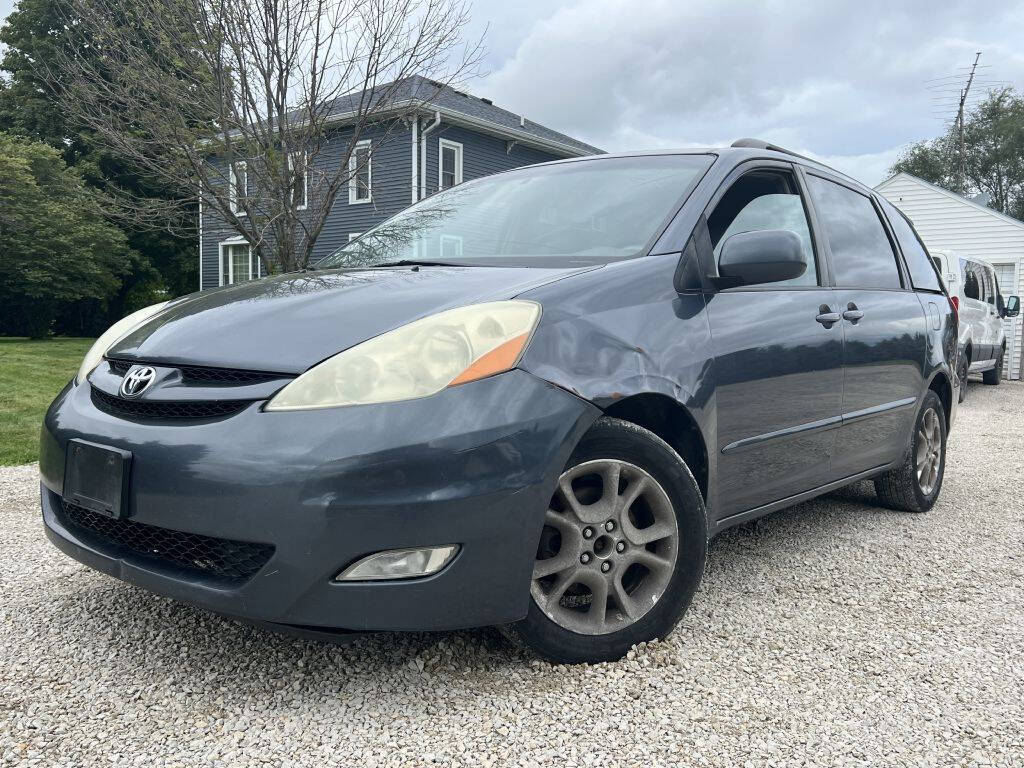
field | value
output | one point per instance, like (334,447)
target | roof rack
(759,144)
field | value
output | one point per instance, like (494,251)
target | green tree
(55,245)
(993,157)
(35,40)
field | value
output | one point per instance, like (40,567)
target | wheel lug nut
(585,558)
(610,525)
(588,532)
(606,566)
(620,547)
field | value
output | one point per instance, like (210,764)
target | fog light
(399,564)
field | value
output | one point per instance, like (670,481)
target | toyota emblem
(137,380)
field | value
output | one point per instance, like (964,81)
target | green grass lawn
(31,374)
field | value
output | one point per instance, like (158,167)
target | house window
(450,164)
(298,179)
(451,246)
(238,263)
(238,187)
(359,181)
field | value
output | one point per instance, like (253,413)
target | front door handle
(852,313)
(826,316)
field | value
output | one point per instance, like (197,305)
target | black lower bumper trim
(224,560)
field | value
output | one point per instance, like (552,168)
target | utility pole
(962,165)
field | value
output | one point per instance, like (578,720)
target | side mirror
(1012,308)
(765,256)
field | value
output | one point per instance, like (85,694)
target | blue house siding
(482,155)
(391,182)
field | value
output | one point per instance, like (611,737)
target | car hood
(288,323)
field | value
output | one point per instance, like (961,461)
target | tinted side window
(989,285)
(972,286)
(920,266)
(862,255)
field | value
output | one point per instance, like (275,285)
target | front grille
(222,559)
(177,409)
(198,375)
(120,367)
(201,375)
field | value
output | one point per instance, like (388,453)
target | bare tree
(231,104)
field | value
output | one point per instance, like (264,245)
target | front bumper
(474,465)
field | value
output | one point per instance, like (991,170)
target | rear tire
(994,376)
(915,484)
(622,552)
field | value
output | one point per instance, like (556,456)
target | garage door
(1007,276)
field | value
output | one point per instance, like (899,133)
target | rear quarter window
(922,268)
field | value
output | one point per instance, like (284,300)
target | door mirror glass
(765,256)
(1012,306)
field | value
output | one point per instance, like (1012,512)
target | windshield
(580,213)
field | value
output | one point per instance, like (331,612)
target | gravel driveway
(834,633)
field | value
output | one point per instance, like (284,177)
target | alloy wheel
(608,549)
(928,460)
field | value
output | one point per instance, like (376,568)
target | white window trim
(233,188)
(305,177)
(231,265)
(353,235)
(456,239)
(443,144)
(353,187)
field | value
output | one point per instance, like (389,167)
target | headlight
(118,330)
(418,359)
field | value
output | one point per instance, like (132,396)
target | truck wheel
(622,550)
(914,485)
(994,376)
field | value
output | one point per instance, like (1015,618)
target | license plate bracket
(96,477)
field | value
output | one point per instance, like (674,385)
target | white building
(948,221)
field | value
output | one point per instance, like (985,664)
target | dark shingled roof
(457,103)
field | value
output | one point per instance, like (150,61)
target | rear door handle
(852,313)
(826,316)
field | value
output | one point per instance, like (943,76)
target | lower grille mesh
(222,559)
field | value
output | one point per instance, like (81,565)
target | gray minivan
(629,354)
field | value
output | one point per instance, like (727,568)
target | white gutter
(201,236)
(415,156)
(423,151)
(459,118)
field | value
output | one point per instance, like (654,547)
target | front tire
(915,484)
(622,551)
(994,376)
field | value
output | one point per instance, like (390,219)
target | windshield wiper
(319,267)
(416,263)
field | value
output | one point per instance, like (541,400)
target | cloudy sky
(844,81)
